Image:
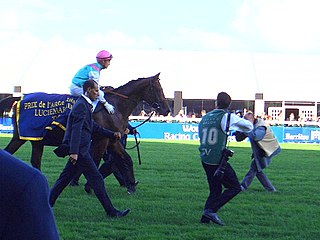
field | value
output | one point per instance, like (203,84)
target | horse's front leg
(37,151)
(124,164)
(98,149)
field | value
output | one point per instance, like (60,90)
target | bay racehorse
(125,99)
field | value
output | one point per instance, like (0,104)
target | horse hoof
(136,183)
(131,189)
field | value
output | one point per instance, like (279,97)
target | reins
(136,146)
(146,120)
(136,139)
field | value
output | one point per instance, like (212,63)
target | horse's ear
(157,75)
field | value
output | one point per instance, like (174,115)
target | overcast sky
(200,47)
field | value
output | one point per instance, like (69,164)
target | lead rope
(137,140)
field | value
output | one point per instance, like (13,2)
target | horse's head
(126,97)
(154,96)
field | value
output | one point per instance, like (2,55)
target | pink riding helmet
(104,55)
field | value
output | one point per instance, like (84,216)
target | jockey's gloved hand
(109,107)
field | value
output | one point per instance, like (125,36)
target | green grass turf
(173,189)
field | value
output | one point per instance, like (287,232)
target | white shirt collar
(87,99)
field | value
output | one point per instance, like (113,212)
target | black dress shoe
(207,217)
(119,214)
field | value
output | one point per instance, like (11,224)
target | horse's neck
(126,107)
(133,92)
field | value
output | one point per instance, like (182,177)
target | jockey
(92,71)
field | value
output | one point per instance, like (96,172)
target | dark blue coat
(25,212)
(80,127)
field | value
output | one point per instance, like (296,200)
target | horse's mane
(128,84)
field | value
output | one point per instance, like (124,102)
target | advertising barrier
(189,131)
(6,125)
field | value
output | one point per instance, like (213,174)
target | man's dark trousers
(89,169)
(217,198)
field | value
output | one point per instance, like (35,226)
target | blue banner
(168,131)
(189,131)
(301,134)
(6,125)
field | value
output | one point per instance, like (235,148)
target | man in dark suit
(80,127)
(25,212)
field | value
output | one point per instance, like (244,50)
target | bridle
(156,104)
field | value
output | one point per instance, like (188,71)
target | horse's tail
(7,103)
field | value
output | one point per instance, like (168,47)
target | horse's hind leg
(14,145)
(36,155)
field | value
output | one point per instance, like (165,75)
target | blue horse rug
(37,112)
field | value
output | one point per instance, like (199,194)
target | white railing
(197,120)
(165,119)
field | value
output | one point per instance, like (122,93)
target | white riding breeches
(77,91)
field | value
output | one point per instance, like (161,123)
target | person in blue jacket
(92,72)
(25,212)
(264,146)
